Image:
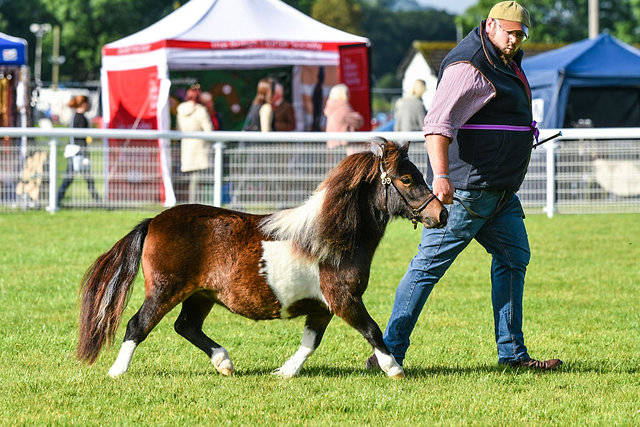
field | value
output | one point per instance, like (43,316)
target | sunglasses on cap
(520,36)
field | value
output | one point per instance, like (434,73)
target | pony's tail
(104,292)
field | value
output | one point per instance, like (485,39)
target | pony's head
(351,208)
(406,194)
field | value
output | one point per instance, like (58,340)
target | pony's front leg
(353,311)
(314,328)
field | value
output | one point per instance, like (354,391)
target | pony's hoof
(116,371)
(222,363)
(227,372)
(398,376)
(225,368)
(283,373)
(396,372)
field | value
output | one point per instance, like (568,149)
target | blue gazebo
(13,50)
(592,83)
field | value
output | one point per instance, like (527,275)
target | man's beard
(506,57)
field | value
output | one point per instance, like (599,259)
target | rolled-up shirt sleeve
(461,93)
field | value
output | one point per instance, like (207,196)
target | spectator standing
(194,152)
(284,119)
(341,117)
(76,151)
(409,110)
(260,115)
(207,101)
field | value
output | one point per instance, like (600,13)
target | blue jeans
(503,236)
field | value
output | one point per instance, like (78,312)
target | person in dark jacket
(260,115)
(284,118)
(76,151)
(479,135)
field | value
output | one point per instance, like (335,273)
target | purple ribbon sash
(531,128)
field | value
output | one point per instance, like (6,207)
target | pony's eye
(406,180)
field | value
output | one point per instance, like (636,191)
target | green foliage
(303,6)
(567,20)
(344,15)
(381,104)
(86,25)
(16,16)
(581,304)
(392,32)
(389,80)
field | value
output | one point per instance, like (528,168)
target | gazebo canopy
(219,34)
(595,77)
(206,34)
(13,50)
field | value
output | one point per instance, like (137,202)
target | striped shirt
(461,93)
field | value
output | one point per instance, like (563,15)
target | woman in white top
(194,152)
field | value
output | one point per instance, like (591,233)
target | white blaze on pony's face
(290,276)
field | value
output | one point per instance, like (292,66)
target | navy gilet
(491,159)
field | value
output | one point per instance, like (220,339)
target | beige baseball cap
(512,16)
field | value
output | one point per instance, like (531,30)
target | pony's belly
(291,277)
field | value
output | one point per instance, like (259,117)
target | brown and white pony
(313,260)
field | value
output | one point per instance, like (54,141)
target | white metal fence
(586,170)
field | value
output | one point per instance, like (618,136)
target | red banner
(134,165)
(354,72)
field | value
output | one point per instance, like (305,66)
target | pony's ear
(377,146)
(404,148)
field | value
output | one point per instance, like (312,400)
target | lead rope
(501,202)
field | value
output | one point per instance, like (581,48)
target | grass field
(582,304)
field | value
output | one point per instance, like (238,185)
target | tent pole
(594,24)
(217,174)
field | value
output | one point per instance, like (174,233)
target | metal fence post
(217,173)
(550,208)
(53,172)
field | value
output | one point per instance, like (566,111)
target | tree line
(391,25)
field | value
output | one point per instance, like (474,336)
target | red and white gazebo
(219,34)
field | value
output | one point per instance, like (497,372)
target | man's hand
(443,189)
(438,150)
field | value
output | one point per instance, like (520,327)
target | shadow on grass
(600,367)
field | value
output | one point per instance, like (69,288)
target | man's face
(507,42)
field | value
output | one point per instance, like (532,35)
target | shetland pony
(313,260)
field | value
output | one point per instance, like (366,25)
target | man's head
(419,88)
(508,26)
(207,99)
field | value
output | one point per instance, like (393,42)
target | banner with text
(354,72)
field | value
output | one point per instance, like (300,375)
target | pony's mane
(325,227)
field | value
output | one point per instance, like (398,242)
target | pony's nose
(444,215)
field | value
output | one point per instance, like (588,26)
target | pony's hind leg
(138,328)
(189,325)
(314,327)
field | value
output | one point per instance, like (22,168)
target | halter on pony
(415,212)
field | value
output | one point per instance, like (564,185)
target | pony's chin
(429,223)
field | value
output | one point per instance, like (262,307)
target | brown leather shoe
(372,363)
(539,365)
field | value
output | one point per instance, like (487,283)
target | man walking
(479,135)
